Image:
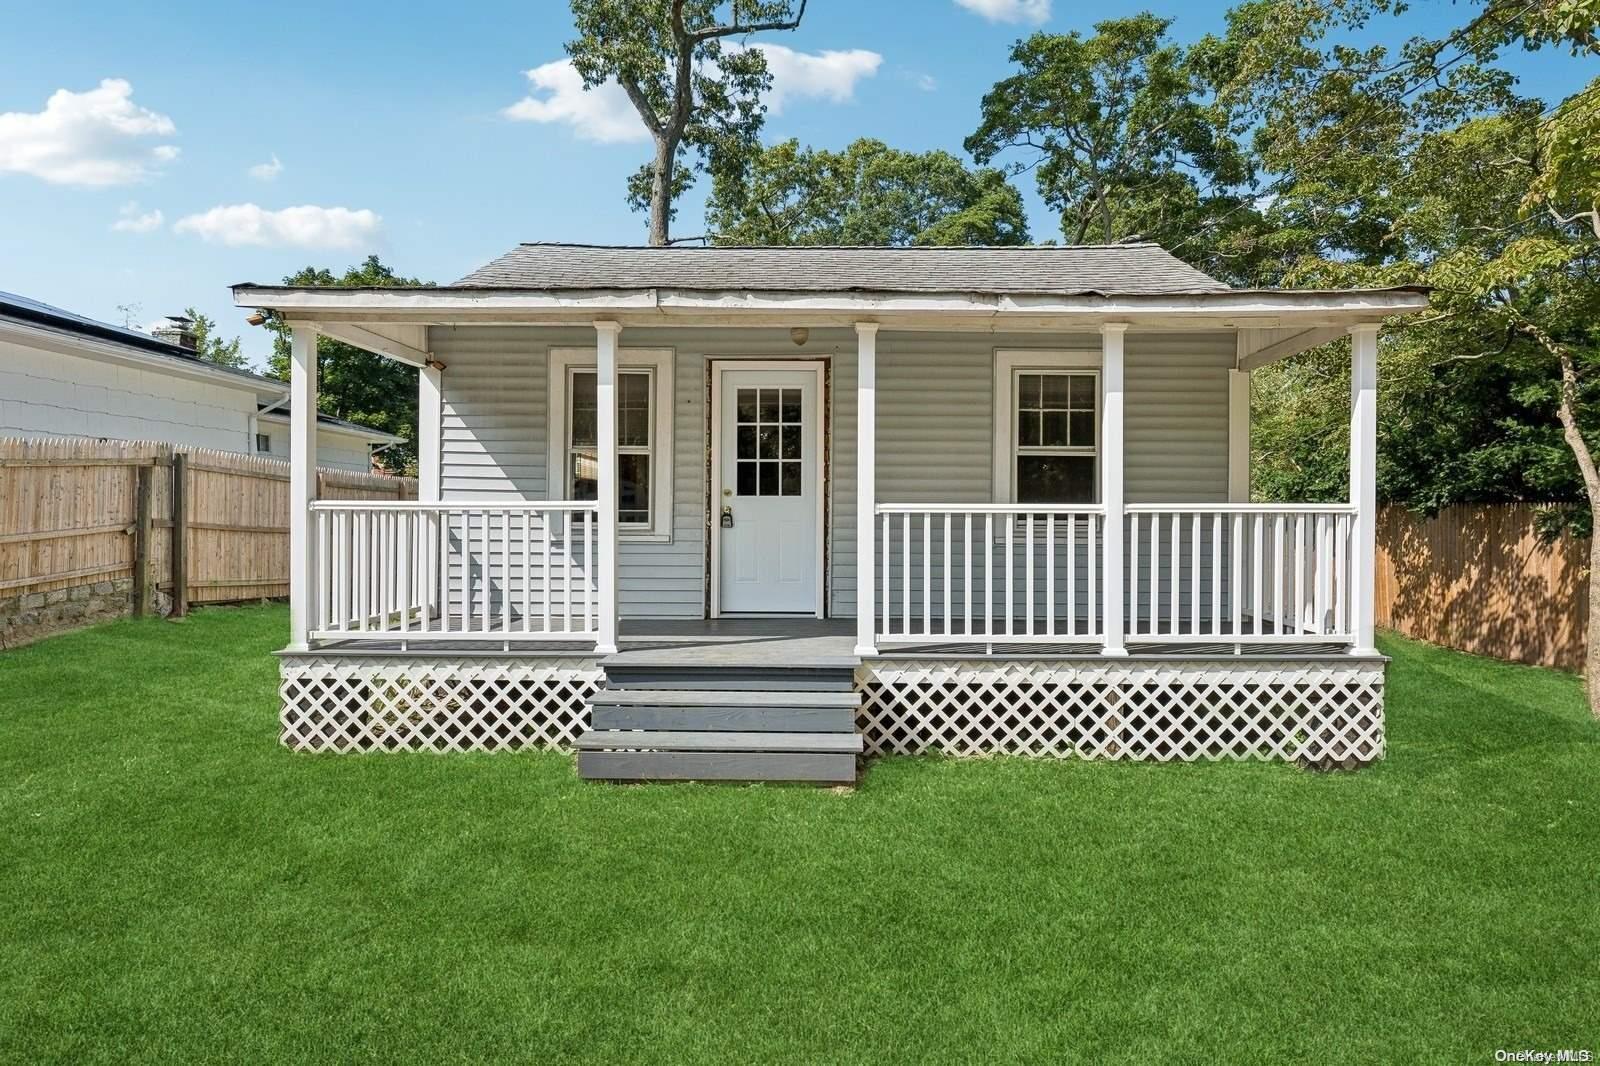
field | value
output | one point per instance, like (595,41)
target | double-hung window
(644,449)
(1047,421)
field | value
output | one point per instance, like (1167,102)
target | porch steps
(662,718)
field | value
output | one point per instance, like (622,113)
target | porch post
(1238,436)
(1111,469)
(430,415)
(302,478)
(866,485)
(1363,484)
(605,394)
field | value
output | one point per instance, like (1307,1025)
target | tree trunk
(1567,412)
(661,192)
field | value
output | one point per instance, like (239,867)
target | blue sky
(140,191)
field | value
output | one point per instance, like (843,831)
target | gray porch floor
(810,642)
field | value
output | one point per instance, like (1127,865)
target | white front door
(770,477)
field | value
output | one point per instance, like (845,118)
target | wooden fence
(182,525)
(1479,579)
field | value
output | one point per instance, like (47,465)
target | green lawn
(176,886)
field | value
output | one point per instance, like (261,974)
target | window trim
(659,361)
(1008,363)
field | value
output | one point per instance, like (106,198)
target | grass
(176,886)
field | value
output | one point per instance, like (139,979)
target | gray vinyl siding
(935,429)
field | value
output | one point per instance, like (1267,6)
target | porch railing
(435,572)
(957,573)
(1033,574)
(1245,573)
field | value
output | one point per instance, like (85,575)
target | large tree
(1119,130)
(354,384)
(692,87)
(868,194)
(208,345)
(1422,165)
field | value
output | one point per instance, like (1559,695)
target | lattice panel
(351,703)
(1322,713)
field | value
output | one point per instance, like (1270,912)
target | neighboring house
(63,375)
(739,512)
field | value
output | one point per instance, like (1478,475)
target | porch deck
(739,642)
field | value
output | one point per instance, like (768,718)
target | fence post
(180,535)
(141,540)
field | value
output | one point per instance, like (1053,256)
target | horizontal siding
(935,429)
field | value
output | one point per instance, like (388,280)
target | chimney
(176,329)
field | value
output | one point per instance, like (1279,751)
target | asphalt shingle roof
(1114,269)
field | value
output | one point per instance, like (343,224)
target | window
(1055,437)
(634,390)
(644,436)
(264,442)
(1047,427)
(770,449)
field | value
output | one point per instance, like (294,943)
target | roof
(1105,269)
(23,309)
(280,413)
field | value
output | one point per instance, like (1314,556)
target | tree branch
(735,29)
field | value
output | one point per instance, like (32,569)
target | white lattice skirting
(1321,712)
(401,703)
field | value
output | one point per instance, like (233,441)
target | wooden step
(803,767)
(677,740)
(688,710)
(644,674)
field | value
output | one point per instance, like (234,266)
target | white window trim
(1007,363)
(657,360)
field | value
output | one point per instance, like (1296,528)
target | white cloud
(602,114)
(132,220)
(1035,11)
(100,137)
(292,227)
(828,75)
(267,171)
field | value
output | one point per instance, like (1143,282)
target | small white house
(63,375)
(746,512)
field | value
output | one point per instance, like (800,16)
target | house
(63,375)
(745,512)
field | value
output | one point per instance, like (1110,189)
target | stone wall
(33,615)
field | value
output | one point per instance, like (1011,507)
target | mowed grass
(175,886)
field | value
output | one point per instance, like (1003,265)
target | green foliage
(212,348)
(868,194)
(353,384)
(690,87)
(1119,131)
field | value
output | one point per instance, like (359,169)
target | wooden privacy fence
(188,525)
(1478,578)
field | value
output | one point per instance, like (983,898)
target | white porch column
(605,395)
(1111,468)
(430,415)
(1363,483)
(866,485)
(1238,436)
(302,478)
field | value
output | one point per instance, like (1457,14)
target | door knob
(727,492)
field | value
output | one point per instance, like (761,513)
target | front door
(768,513)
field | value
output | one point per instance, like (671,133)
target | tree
(1118,130)
(867,194)
(353,384)
(212,348)
(690,88)
(1424,166)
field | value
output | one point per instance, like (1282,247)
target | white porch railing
(1245,573)
(956,573)
(434,572)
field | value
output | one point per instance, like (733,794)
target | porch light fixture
(800,335)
